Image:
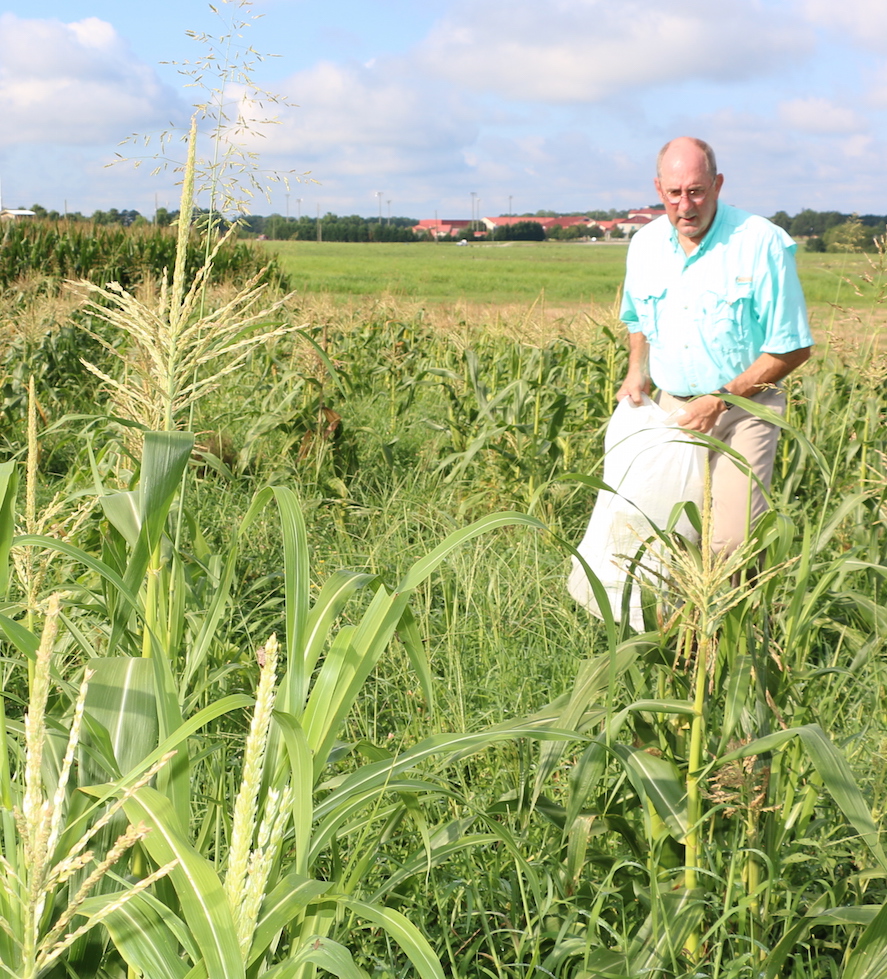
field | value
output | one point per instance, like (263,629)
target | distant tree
(278,228)
(595,231)
(782,220)
(852,236)
(39,211)
(520,231)
(610,215)
(815,244)
(162,217)
(808,222)
(616,232)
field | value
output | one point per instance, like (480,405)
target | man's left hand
(700,414)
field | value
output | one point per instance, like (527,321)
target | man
(713,306)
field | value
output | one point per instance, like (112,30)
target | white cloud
(821,116)
(864,20)
(74,84)
(769,166)
(574,51)
(379,119)
(877,94)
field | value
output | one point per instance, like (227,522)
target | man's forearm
(768,369)
(637,379)
(638,353)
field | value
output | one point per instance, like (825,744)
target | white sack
(652,465)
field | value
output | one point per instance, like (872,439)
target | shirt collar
(707,238)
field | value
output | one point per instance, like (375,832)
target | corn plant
(227,911)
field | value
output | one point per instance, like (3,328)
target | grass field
(568,277)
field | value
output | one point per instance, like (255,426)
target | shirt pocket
(728,316)
(648,306)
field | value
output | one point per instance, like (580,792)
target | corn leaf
(8,488)
(869,959)
(657,780)
(142,931)
(290,896)
(198,888)
(404,932)
(660,941)
(121,699)
(321,952)
(835,773)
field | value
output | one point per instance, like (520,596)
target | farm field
(341,715)
(564,277)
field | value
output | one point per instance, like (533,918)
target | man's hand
(700,414)
(635,385)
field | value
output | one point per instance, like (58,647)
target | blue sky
(418,104)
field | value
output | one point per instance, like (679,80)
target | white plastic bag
(652,465)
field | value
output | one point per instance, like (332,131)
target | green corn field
(292,682)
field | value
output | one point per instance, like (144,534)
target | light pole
(299,207)
(287,207)
(379,196)
(389,214)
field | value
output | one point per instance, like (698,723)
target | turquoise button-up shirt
(709,315)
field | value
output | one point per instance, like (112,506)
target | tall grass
(717,809)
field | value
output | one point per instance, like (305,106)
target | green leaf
(121,698)
(290,896)
(404,932)
(869,959)
(660,941)
(8,490)
(142,933)
(301,767)
(23,639)
(321,952)
(122,512)
(657,780)
(198,888)
(594,680)
(834,771)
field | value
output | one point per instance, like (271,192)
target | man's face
(687,190)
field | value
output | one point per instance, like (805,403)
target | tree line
(833,231)
(821,230)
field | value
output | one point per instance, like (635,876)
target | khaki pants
(737,500)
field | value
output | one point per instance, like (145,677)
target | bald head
(688,146)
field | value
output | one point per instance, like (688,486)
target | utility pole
(299,206)
(473,196)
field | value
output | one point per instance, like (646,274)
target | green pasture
(569,275)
